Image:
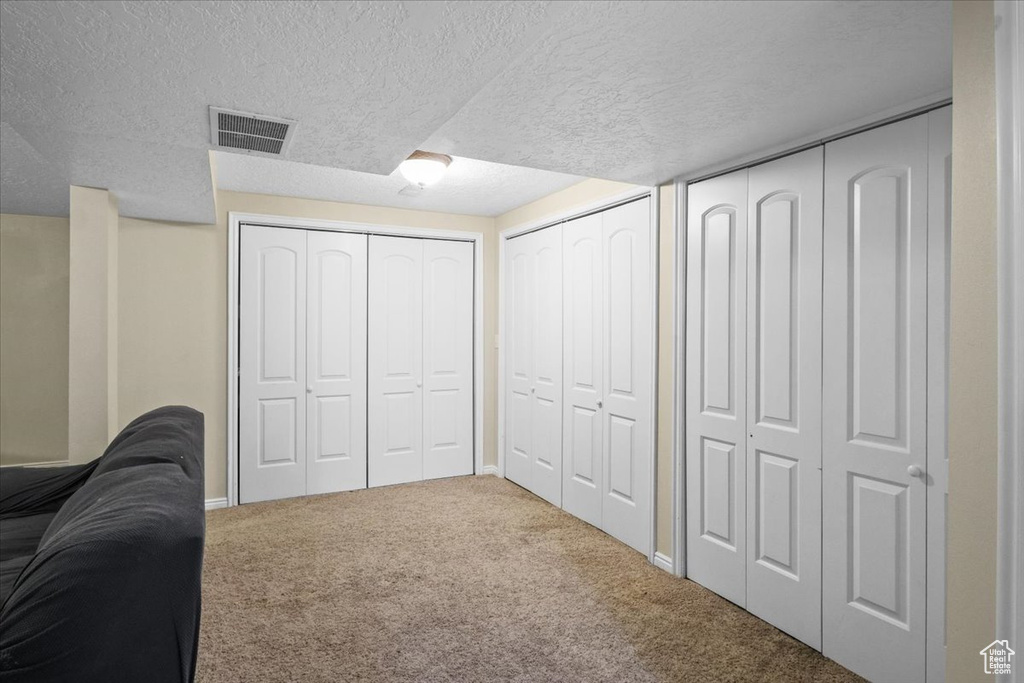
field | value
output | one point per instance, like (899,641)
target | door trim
(563,216)
(1009,59)
(237,219)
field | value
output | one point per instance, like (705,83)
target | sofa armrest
(28,491)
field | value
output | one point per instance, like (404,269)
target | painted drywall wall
(33,339)
(92,323)
(973,365)
(173,310)
(593,190)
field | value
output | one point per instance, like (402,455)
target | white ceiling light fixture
(423,169)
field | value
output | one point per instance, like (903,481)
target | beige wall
(92,323)
(593,190)
(173,308)
(33,339)
(973,398)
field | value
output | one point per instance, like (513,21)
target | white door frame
(237,219)
(1009,58)
(562,217)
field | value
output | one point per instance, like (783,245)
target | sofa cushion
(9,572)
(21,535)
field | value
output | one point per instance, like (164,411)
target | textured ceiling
(643,92)
(478,188)
(115,94)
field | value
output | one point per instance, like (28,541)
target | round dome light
(424,168)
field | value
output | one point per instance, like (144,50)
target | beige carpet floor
(468,579)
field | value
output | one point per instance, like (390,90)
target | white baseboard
(490,469)
(216,503)
(47,463)
(663,562)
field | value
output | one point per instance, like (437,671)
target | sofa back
(114,590)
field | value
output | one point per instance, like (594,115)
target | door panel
(336,362)
(519,361)
(783,394)
(395,366)
(546,339)
(447,358)
(583,323)
(272,356)
(628,317)
(874,400)
(716,321)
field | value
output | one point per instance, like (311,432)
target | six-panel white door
(716,371)
(519,321)
(447,358)
(583,368)
(874,401)
(395,360)
(335,361)
(272,364)
(783,394)
(534,363)
(628,373)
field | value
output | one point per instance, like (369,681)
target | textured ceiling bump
(478,188)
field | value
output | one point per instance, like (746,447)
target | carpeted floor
(468,579)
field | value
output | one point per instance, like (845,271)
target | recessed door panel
(447,358)
(716,366)
(783,394)
(583,367)
(395,357)
(272,349)
(277,437)
(875,400)
(336,362)
(718,485)
(628,316)
(718,312)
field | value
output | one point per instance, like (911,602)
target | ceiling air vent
(239,131)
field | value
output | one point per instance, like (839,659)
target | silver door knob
(914,471)
(419,384)
(533,390)
(600,403)
(309,390)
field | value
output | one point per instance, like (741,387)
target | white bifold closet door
(754,390)
(533,402)
(607,369)
(302,384)
(716,374)
(875,400)
(420,359)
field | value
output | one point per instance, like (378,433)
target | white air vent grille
(239,131)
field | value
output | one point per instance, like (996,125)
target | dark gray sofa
(101,564)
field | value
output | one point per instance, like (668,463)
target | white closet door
(519,288)
(940,187)
(272,364)
(395,358)
(546,388)
(447,358)
(336,362)
(715,384)
(583,367)
(874,401)
(783,394)
(628,361)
